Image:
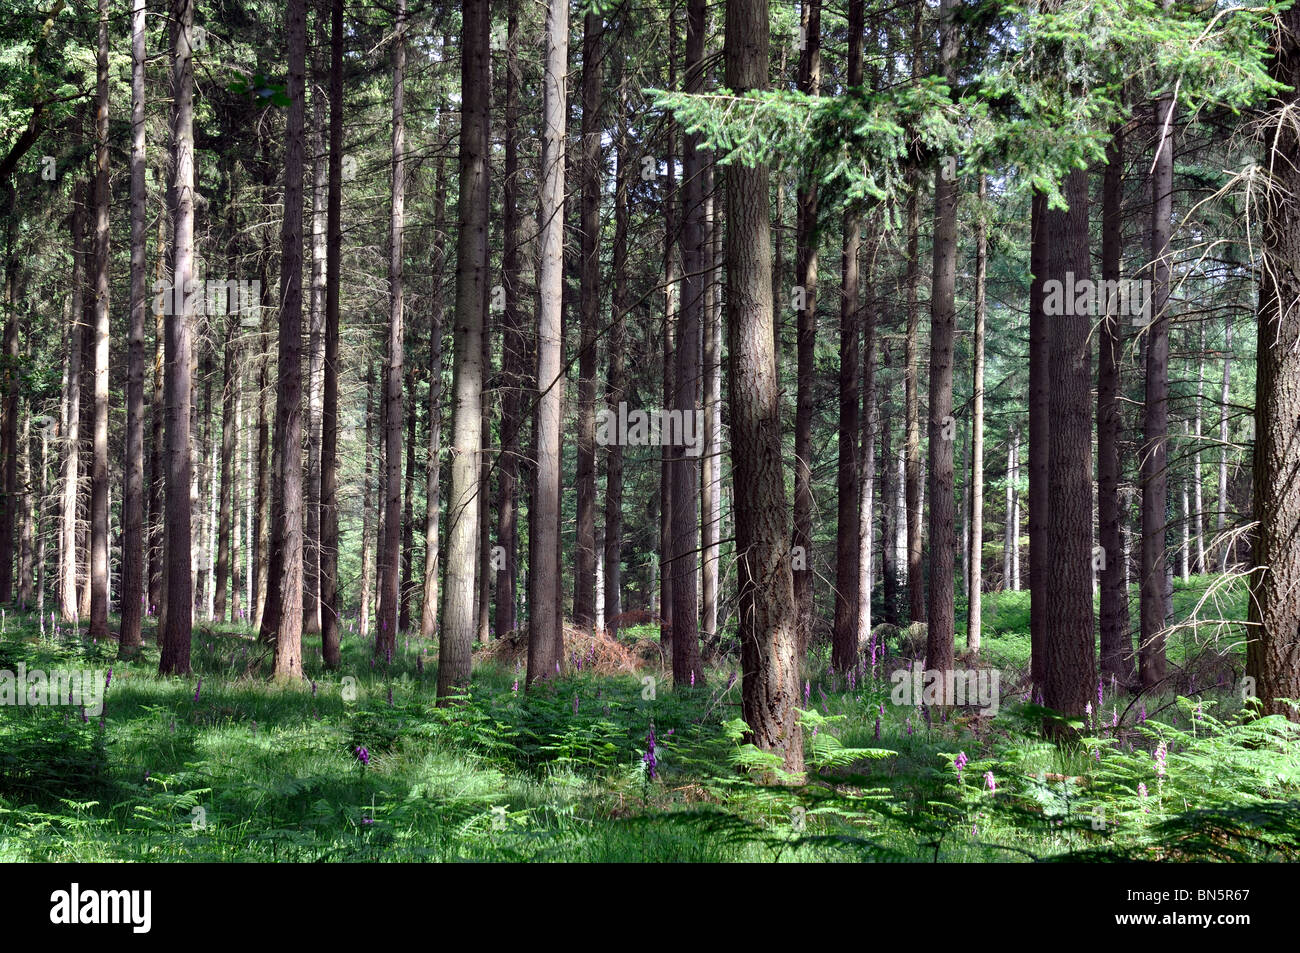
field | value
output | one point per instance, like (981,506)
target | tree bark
(1272,651)
(99,468)
(458,622)
(175,657)
(288,406)
(806,261)
(329,510)
(1155,450)
(975,559)
(768,617)
(390,564)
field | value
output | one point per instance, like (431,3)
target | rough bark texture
(133,556)
(1040,554)
(288,408)
(99,466)
(458,619)
(390,564)
(617,377)
(1273,651)
(584,581)
(1070,669)
(770,690)
(806,261)
(943,327)
(687,668)
(848,526)
(975,559)
(1155,450)
(72,457)
(1116,640)
(329,511)
(175,657)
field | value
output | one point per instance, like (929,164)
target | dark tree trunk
(133,556)
(390,563)
(768,618)
(1116,640)
(329,510)
(1273,653)
(1070,668)
(1155,451)
(806,260)
(848,527)
(175,658)
(288,406)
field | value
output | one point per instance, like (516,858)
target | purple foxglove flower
(198,688)
(108,678)
(988,779)
(363,755)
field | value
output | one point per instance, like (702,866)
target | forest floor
(359,765)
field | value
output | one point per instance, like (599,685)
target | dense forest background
(335,333)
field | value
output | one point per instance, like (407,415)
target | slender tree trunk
(175,658)
(943,326)
(1116,641)
(99,468)
(133,555)
(617,379)
(311,549)
(912,412)
(848,526)
(390,563)
(408,515)
(1221,506)
(867,468)
(584,580)
(367,577)
(806,255)
(288,406)
(975,584)
(768,617)
(1155,451)
(711,478)
(226,513)
(1040,555)
(433,468)
(687,668)
(72,458)
(329,510)
(458,623)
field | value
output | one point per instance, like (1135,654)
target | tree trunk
(329,510)
(1272,652)
(1040,375)
(288,406)
(1155,451)
(1221,504)
(432,466)
(975,559)
(311,548)
(943,326)
(456,640)
(72,459)
(848,526)
(768,618)
(806,261)
(687,669)
(391,554)
(1070,667)
(175,658)
(1116,641)
(133,556)
(584,580)
(617,378)
(99,468)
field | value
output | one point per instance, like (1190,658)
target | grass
(237,769)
